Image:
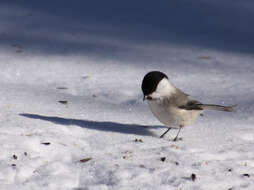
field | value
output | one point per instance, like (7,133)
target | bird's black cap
(151,80)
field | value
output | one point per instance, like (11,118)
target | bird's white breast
(170,115)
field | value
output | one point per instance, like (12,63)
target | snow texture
(72,115)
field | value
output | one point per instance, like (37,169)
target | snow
(92,57)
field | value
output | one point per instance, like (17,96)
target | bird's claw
(177,139)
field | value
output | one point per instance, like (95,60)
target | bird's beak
(147,97)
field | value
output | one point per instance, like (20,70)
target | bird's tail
(218,107)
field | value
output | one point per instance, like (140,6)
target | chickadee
(170,105)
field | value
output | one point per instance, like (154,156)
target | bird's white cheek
(158,96)
(155,95)
(165,88)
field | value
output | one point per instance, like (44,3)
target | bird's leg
(165,132)
(180,127)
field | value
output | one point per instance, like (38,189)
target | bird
(170,105)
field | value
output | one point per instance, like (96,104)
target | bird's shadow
(107,126)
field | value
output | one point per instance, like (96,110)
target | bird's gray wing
(185,101)
(191,105)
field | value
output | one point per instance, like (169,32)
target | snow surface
(92,57)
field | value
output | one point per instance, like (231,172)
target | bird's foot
(177,139)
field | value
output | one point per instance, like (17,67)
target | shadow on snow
(97,125)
